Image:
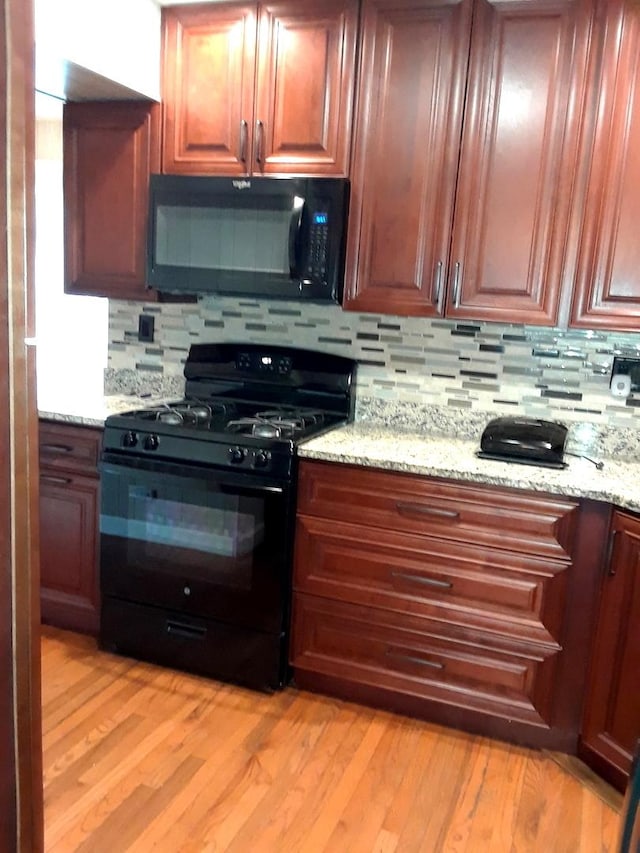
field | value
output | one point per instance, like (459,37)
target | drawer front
(69,448)
(488,589)
(489,516)
(469,670)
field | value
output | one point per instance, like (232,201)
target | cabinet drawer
(500,518)
(424,658)
(497,591)
(69,448)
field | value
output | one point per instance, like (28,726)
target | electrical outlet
(627,367)
(146,323)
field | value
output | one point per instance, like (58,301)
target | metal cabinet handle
(58,481)
(434,664)
(419,509)
(56,448)
(405,576)
(259,141)
(456,284)
(610,564)
(244,133)
(438,286)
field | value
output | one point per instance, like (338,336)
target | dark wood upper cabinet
(612,716)
(607,287)
(467,133)
(413,67)
(110,149)
(264,89)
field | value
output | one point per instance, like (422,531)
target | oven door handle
(235,490)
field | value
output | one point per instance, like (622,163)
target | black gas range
(198,508)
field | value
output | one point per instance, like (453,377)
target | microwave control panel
(318,248)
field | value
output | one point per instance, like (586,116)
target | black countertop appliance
(530,441)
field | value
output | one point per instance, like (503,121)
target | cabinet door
(110,149)
(607,290)
(304,87)
(208,87)
(412,78)
(68,551)
(612,716)
(523,112)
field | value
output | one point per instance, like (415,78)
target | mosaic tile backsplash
(408,363)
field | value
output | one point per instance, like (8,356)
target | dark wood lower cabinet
(471,606)
(69,520)
(612,713)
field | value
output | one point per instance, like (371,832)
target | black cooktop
(245,405)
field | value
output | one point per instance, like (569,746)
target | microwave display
(260,237)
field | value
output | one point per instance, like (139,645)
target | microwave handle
(295,229)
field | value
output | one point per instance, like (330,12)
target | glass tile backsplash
(539,371)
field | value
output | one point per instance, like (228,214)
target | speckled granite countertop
(91,411)
(386,447)
(399,439)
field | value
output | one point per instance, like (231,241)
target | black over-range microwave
(254,237)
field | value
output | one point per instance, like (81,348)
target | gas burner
(276,423)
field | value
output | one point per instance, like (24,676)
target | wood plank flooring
(139,758)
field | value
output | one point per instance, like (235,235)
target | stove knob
(151,442)
(129,439)
(236,455)
(261,459)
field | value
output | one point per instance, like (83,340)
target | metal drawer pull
(191,632)
(434,664)
(422,580)
(438,283)
(244,130)
(59,481)
(56,448)
(420,509)
(456,285)
(259,141)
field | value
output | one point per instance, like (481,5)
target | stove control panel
(264,362)
(250,458)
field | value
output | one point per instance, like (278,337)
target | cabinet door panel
(480,515)
(109,152)
(512,594)
(305,87)
(612,717)
(607,292)
(68,551)
(413,67)
(519,144)
(373,647)
(209,66)
(69,448)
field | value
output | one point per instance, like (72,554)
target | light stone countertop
(413,450)
(380,446)
(92,411)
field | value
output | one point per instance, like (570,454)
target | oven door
(199,541)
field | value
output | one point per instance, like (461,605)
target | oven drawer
(500,518)
(424,658)
(203,646)
(496,591)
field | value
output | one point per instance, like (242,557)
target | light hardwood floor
(139,758)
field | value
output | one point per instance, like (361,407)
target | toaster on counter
(531,441)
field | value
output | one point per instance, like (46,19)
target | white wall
(71,331)
(118,39)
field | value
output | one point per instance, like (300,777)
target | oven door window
(197,544)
